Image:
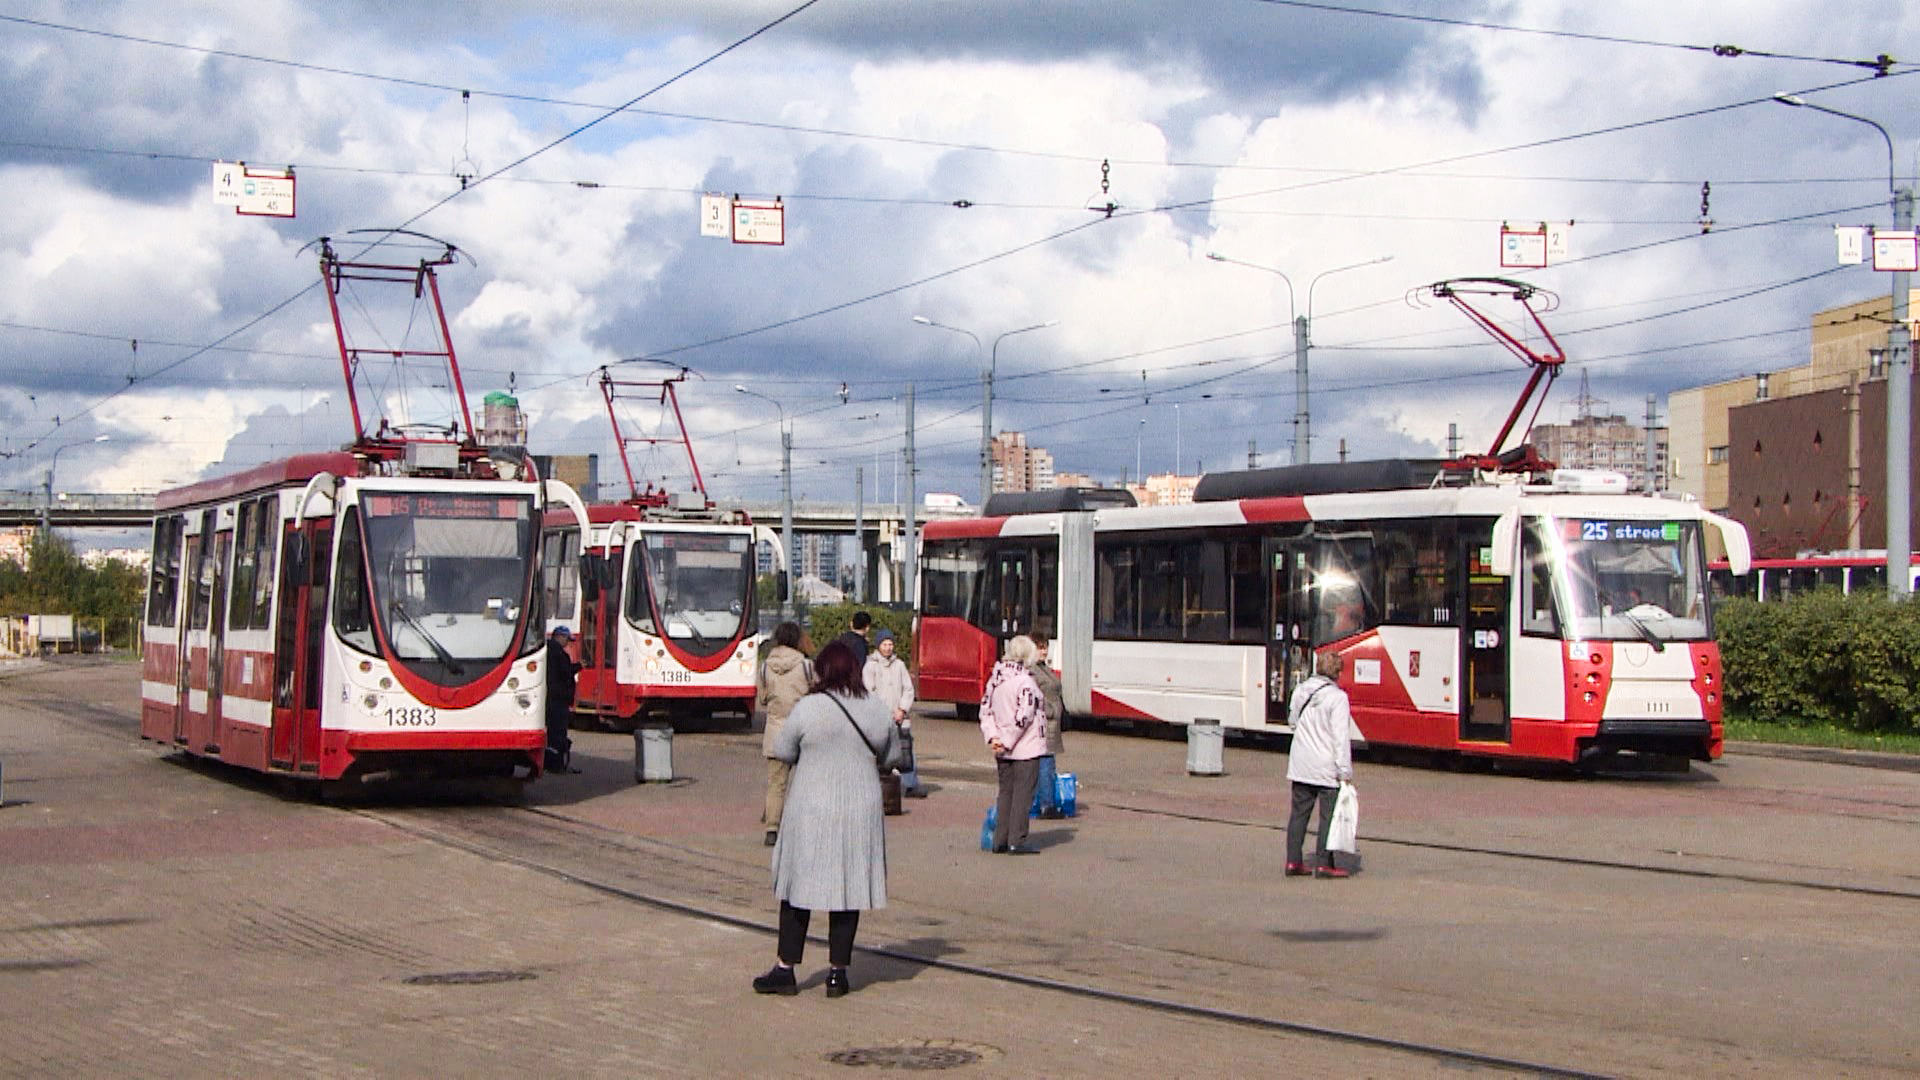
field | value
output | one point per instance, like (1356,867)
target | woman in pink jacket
(1013,717)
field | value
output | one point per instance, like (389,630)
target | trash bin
(1206,743)
(653,754)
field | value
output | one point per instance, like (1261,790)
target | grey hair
(1020,649)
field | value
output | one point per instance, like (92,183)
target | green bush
(828,621)
(1823,659)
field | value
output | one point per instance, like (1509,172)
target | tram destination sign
(447,506)
(1642,531)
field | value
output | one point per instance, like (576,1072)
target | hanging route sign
(759,221)
(253,190)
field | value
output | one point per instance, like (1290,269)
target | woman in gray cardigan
(832,848)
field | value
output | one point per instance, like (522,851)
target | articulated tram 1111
(1552,617)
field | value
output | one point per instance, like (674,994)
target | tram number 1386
(411,716)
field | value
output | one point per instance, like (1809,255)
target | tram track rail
(1430,1051)
(1544,857)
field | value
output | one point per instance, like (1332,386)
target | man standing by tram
(1318,762)
(561,670)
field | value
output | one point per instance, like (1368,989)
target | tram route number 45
(254,190)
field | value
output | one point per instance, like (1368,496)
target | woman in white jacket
(888,679)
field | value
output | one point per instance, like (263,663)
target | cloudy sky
(989,165)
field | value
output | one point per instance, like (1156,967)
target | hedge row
(1823,659)
(824,622)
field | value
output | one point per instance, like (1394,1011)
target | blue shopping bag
(1067,794)
(986,829)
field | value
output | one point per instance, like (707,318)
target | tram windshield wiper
(1659,643)
(439,651)
(667,612)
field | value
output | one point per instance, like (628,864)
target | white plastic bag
(1344,834)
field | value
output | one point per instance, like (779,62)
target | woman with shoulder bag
(832,849)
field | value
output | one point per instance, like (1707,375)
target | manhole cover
(469,978)
(915,1056)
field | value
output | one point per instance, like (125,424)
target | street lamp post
(986,395)
(786,497)
(1302,341)
(46,511)
(1899,377)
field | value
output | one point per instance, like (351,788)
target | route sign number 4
(252,190)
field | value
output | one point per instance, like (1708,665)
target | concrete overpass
(883,523)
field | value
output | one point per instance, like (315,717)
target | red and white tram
(360,613)
(659,590)
(326,618)
(1560,620)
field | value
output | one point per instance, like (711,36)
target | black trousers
(793,934)
(559,720)
(1304,796)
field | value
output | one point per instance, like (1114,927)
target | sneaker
(916,793)
(1295,869)
(777,980)
(1330,872)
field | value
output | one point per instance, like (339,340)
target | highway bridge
(882,522)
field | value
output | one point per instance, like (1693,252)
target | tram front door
(1289,637)
(1484,716)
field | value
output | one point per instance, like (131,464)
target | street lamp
(986,402)
(46,512)
(786,497)
(1899,376)
(1302,417)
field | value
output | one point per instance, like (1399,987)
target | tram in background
(1772,580)
(357,614)
(1559,620)
(659,590)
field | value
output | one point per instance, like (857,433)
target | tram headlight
(1591,697)
(513,682)
(525,703)
(371,703)
(1593,678)
(386,683)
(653,666)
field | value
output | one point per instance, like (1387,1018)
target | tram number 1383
(411,716)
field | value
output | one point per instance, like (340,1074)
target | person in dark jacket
(856,638)
(561,671)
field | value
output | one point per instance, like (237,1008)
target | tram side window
(1347,580)
(203,570)
(1203,570)
(1114,581)
(163,589)
(267,537)
(1046,592)
(1537,614)
(560,570)
(1247,588)
(1416,572)
(1161,592)
(240,594)
(352,610)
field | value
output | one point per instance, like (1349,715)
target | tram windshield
(948,571)
(697,587)
(446,575)
(1608,580)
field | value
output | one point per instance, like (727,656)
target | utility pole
(1653,449)
(859,534)
(908,558)
(1253,455)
